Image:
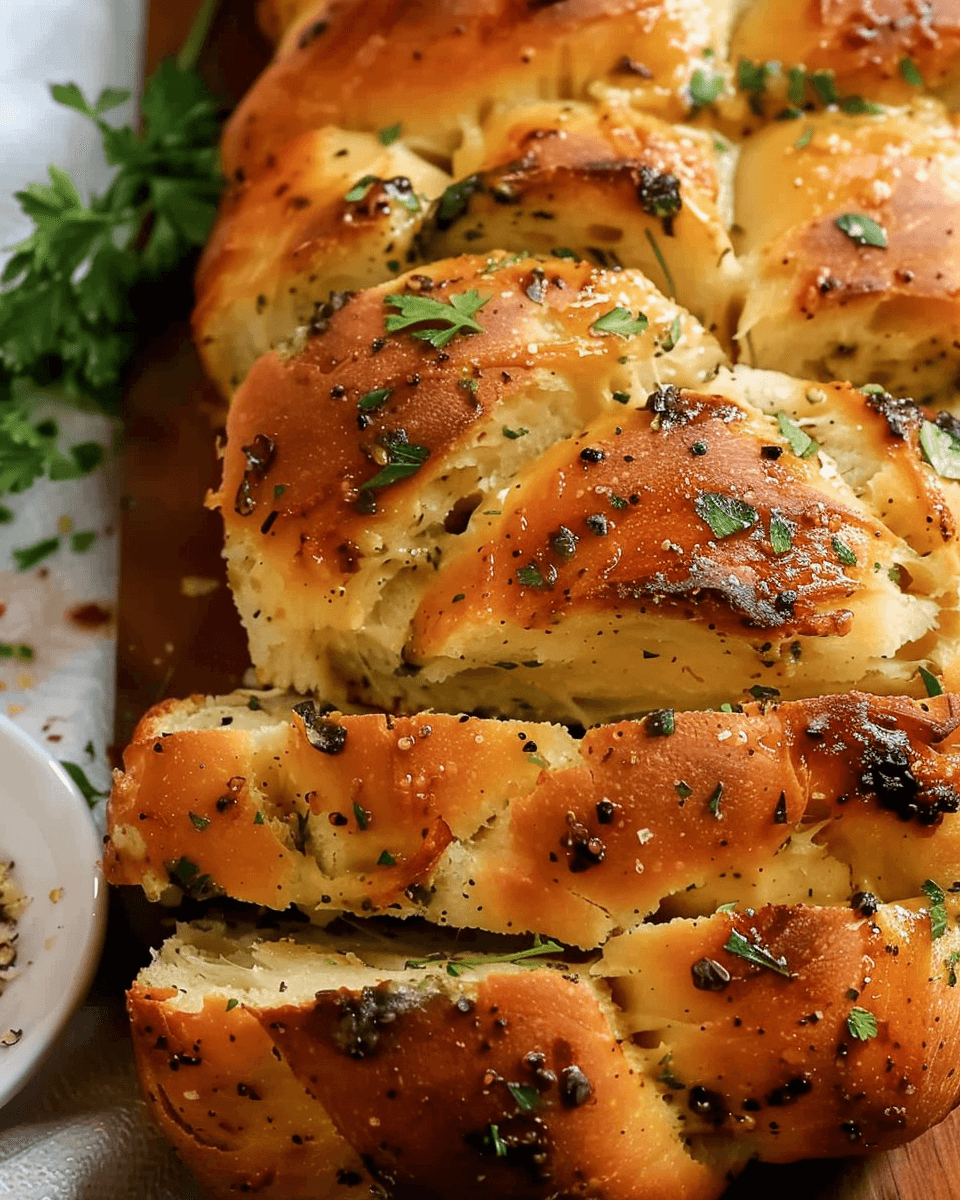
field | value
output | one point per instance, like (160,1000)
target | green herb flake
(363,817)
(802,445)
(941,449)
(199,823)
(938,909)
(619,321)
(79,777)
(862,230)
(386,859)
(805,138)
(6,515)
(513,434)
(726,515)
(862,1024)
(796,82)
(705,87)
(683,790)
(661,261)
(29,556)
(403,460)
(360,189)
(258,818)
(858,106)
(527,1098)
(932,684)
(278,490)
(667,1076)
(618,502)
(911,72)
(950,962)
(371,401)
(843,552)
(661,723)
(737,944)
(389,135)
(780,535)
(254,704)
(713,801)
(622,397)
(455,314)
(19,650)
(81,542)
(670,339)
(759,692)
(496,1142)
(825,86)
(538,761)
(729,907)
(532,576)
(752,77)
(455,966)
(232,1003)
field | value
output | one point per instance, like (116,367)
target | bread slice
(544,516)
(510,827)
(310,1064)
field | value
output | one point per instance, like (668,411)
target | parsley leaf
(862,1024)
(824,86)
(843,552)
(799,442)
(705,87)
(941,449)
(862,230)
(911,72)
(619,321)
(375,399)
(805,138)
(938,909)
(724,514)
(931,683)
(389,135)
(403,459)
(79,777)
(386,859)
(456,314)
(737,944)
(455,965)
(527,1098)
(780,534)
(359,190)
(29,556)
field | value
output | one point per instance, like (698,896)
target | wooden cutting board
(179,632)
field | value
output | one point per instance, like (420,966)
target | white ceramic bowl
(47,831)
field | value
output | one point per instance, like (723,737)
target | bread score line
(314,1066)
(512,827)
(570,508)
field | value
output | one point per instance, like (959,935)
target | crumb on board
(12,903)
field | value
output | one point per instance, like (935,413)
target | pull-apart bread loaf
(570,509)
(530,316)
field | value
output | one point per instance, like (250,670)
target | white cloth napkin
(79,1131)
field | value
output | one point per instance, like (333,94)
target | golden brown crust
(820,302)
(512,827)
(367,65)
(216,1086)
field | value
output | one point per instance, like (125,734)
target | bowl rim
(81,951)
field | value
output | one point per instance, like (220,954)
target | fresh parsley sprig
(66,295)
(455,315)
(454,966)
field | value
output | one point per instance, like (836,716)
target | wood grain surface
(172,644)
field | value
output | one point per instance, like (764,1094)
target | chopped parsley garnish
(658,255)
(713,801)
(858,106)
(82,541)
(389,135)
(403,460)
(254,704)
(497,1144)
(188,876)
(737,944)
(232,1003)
(862,230)
(941,449)
(950,962)
(360,189)
(805,138)
(752,77)
(513,434)
(911,72)
(619,321)
(29,556)
(363,817)
(621,397)
(938,909)
(725,515)
(661,723)
(375,399)
(79,777)
(564,543)
(780,534)
(796,82)
(705,87)
(455,966)
(538,761)
(825,87)
(258,818)
(759,692)
(799,442)
(667,1076)
(532,576)
(617,501)
(199,823)
(862,1024)
(683,790)
(671,337)
(386,859)
(932,684)
(21,651)
(456,315)
(527,1098)
(843,552)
